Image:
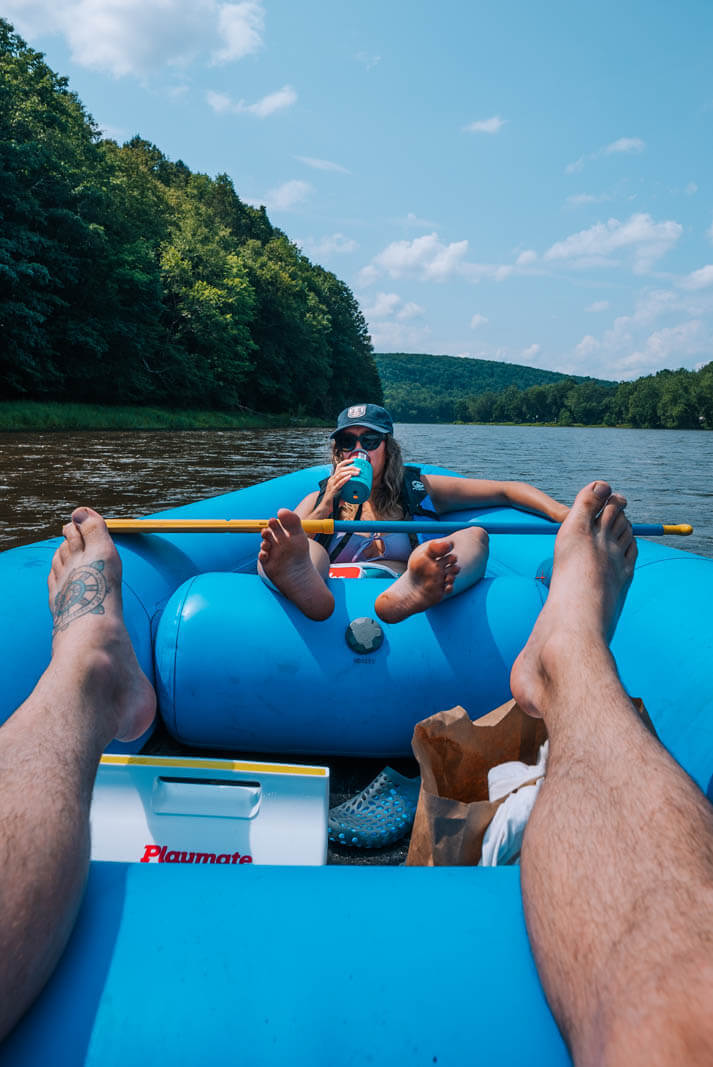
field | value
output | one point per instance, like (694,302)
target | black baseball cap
(371,415)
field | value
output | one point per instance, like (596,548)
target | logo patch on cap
(356,412)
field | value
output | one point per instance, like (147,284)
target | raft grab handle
(212,797)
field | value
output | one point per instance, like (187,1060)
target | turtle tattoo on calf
(83,593)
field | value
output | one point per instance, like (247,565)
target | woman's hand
(339,477)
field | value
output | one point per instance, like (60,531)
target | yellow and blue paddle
(331,526)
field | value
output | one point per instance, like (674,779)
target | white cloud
(574,168)
(114,133)
(385,304)
(531,351)
(640,237)
(241,27)
(526,257)
(641,343)
(219,101)
(598,305)
(429,259)
(628,145)
(691,189)
(624,145)
(390,305)
(662,347)
(425,257)
(415,222)
(138,37)
(477,320)
(335,244)
(277,101)
(268,105)
(491,125)
(698,279)
(587,198)
(587,347)
(283,197)
(367,60)
(322,164)
(368,275)
(395,336)
(177,92)
(391,325)
(410,310)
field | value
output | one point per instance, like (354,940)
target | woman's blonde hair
(385,498)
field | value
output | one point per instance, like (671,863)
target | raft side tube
(239,666)
(663,646)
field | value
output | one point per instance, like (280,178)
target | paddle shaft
(331,526)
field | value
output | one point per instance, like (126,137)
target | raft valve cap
(364,635)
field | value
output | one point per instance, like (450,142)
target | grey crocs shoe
(381,814)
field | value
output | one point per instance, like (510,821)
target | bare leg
(296,565)
(436,569)
(92,691)
(617,861)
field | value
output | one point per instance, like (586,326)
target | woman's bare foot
(284,556)
(428,578)
(595,553)
(89,638)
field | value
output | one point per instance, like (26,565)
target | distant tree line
(126,278)
(668,400)
(441,389)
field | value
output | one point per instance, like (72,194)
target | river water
(667,475)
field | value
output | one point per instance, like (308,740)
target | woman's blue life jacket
(411,499)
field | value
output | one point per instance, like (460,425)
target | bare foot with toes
(429,577)
(595,553)
(285,558)
(89,638)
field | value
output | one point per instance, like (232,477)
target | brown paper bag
(455,755)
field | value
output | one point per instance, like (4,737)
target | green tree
(353,372)
(209,305)
(677,408)
(290,328)
(643,403)
(47,152)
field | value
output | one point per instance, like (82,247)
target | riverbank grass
(34,415)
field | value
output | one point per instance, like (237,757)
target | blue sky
(511,180)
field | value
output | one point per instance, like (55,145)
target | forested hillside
(126,278)
(423,388)
(419,388)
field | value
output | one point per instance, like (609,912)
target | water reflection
(665,474)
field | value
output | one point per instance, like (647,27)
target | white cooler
(157,809)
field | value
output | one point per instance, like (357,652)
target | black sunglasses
(347,442)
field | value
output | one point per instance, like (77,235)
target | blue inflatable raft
(325,965)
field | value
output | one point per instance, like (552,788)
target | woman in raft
(425,573)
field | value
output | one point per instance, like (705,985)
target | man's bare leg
(436,570)
(617,861)
(296,565)
(93,690)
